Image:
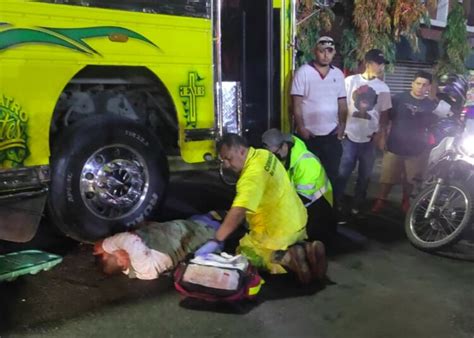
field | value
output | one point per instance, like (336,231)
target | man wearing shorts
(406,152)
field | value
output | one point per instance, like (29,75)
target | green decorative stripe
(67,37)
(78,34)
(13,37)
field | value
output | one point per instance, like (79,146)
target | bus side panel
(191,87)
(45,45)
(29,91)
(287,66)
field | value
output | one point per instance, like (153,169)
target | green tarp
(15,264)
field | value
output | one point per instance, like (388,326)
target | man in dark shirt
(406,152)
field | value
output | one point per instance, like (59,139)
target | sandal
(298,263)
(316,255)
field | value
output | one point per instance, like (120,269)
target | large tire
(457,217)
(107,175)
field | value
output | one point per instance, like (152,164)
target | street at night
(237,168)
(378,286)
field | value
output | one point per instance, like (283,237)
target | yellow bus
(96,94)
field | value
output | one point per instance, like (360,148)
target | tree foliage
(313,17)
(381,23)
(349,48)
(455,46)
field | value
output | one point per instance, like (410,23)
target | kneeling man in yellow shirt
(274,212)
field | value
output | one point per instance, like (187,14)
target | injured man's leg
(155,247)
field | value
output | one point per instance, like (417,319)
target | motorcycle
(443,209)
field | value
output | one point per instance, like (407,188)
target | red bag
(212,283)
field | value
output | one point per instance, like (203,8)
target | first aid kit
(216,277)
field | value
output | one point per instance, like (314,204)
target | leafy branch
(381,24)
(313,17)
(455,44)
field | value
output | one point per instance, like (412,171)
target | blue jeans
(353,153)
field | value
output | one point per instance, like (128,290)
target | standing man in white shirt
(368,101)
(319,106)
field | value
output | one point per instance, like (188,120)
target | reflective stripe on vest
(309,155)
(256,289)
(317,195)
(305,186)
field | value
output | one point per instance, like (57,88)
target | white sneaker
(355,211)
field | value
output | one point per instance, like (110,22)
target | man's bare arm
(384,121)
(232,220)
(298,114)
(342,116)
(380,138)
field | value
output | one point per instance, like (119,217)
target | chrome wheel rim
(114,182)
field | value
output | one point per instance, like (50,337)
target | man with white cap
(309,180)
(319,106)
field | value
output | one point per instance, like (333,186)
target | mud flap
(16,264)
(19,219)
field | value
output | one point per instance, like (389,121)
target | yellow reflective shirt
(276,216)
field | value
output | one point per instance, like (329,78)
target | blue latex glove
(210,246)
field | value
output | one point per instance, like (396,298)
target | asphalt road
(378,286)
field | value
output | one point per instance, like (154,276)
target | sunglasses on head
(326,43)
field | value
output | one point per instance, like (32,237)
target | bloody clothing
(157,247)
(176,238)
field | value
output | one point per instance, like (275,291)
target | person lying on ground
(155,247)
(275,214)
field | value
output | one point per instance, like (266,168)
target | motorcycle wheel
(446,223)
(107,175)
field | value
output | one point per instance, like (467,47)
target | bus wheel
(107,175)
